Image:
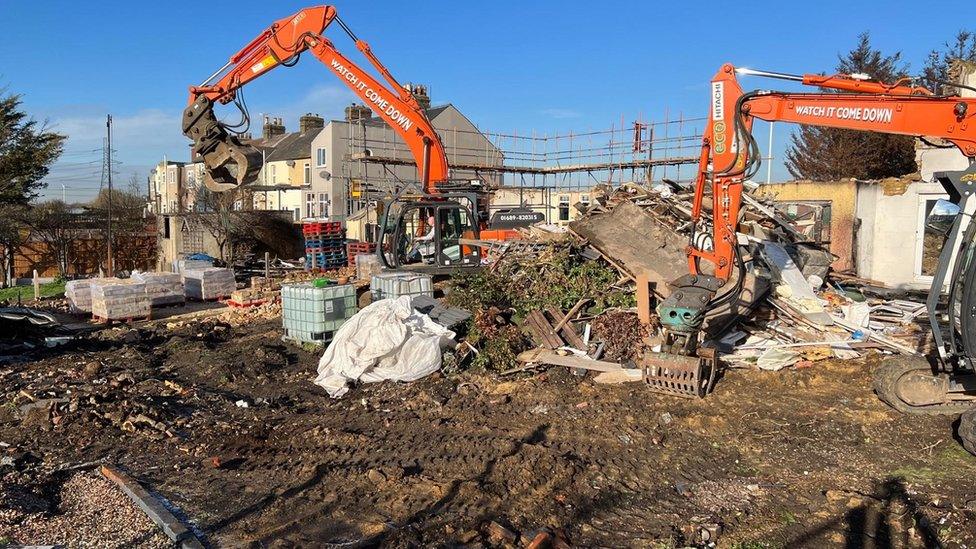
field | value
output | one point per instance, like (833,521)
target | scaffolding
(378,163)
(638,151)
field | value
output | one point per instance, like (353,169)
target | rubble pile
(808,308)
(574,297)
(554,276)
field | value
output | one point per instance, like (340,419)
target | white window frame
(917,275)
(320,157)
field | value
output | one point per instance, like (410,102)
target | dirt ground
(226,424)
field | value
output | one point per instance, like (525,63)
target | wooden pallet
(542,326)
(128,320)
(248,303)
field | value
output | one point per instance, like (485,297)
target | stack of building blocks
(356,248)
(162,288)
(325,244)
(120,300)
(209,284)
(79,293)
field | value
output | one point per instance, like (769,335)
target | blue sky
(508,65)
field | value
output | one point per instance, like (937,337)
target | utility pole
(62,194)
(108,131)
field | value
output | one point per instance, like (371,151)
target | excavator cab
(427,234)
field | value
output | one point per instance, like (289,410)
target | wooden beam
(544,356)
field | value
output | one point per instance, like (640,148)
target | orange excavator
(423,231)
(730,156)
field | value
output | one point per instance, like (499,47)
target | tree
(27,151)
(55,225)
(939,62)
(13,233)
(130,228)
(826,154)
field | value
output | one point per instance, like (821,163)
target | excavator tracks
(887,379)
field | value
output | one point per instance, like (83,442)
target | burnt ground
(798,458)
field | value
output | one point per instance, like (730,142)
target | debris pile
(523,292)
(573,299)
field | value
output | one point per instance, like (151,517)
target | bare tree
(131,230)
(54,225)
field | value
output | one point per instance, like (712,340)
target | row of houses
(317,172)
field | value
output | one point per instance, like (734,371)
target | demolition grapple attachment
(682,368)
(228,162)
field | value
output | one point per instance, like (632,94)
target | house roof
(432,113)
(290,146)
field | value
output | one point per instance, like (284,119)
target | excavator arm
(729,154)
(230,163)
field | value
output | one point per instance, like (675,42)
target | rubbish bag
(387,340)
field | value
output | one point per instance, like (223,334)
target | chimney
(273,127)
(356,112)
(419,92)
(310,122)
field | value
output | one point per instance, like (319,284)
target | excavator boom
(230,163)
(729,155)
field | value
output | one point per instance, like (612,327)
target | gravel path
(85,511)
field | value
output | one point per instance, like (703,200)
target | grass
(950,462)
(52,289)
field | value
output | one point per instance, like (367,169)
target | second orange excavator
(730,156)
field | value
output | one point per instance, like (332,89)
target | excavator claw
(228,162)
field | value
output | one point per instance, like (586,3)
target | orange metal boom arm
(284,40)
(874,106)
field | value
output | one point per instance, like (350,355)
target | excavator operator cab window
(454,222)
(416,239)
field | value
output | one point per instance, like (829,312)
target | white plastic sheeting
(387,340)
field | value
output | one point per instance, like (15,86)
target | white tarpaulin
(387,340)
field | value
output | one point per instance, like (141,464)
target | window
(585,199)
(934,221)
(274,175)
(320,156)
(166,227)
(564,207)
(324,204)
(308,173)
(310,205)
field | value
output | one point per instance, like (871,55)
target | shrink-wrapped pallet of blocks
(208,284)
(119,300)
(183,265)
(78,293)
(162,288)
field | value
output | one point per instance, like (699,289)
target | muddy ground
(226,424)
